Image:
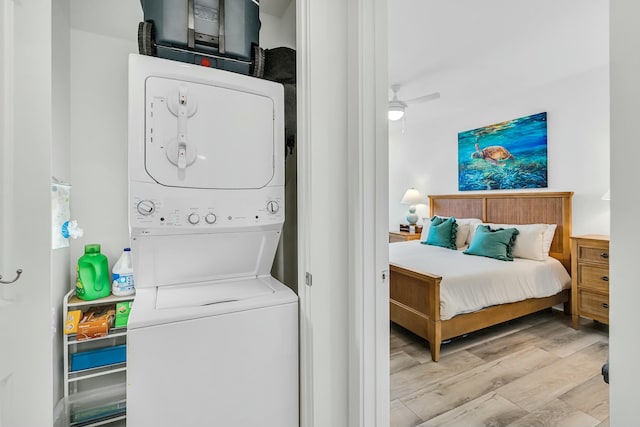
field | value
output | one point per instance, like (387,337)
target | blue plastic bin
(96,358)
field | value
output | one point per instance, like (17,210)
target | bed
(416,294)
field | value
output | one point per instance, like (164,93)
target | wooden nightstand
(590,278)
(402,236)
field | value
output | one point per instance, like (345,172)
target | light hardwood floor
(533,371)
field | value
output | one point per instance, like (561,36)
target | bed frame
(415,295)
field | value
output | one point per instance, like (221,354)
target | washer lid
(192,301)
(203,294)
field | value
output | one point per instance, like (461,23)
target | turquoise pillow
(442,232)
(490,243)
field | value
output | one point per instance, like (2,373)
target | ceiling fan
(397,106)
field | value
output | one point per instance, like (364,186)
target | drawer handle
(604,255)
(605,278)
(605,305)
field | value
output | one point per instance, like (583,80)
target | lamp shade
(395,113)
(396,109)
(411,197)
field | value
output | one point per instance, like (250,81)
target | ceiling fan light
(395,113)
(396,110)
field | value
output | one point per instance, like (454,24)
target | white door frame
(342,49)
(368,216)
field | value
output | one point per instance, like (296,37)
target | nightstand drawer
(593,254)
(594,305)
(592,277)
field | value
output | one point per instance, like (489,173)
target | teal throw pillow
(490,243)
(442,232)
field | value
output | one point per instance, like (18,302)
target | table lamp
(411,197)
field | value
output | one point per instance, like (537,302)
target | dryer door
(206,136)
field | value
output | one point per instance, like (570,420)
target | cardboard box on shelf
(72,321)
(96,322)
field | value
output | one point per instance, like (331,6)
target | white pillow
(426,222)
(463,234)
(473,224)
(548,237)
(531,242)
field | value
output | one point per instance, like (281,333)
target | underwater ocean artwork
(507,155)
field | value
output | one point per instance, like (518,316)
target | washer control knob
(193,218)
(210,218)
(273,207)
(146,207)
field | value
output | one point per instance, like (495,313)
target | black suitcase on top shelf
(222,34)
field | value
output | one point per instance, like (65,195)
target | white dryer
(213,338)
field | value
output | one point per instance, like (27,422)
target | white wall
(279,31)
(625,211)
(426,155)
(99,141)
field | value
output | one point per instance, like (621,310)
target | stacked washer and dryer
(213,337)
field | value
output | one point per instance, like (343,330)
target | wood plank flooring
(533,371)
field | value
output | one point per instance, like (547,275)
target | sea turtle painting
(495,154)
(504,156)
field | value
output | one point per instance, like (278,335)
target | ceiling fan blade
(425,98)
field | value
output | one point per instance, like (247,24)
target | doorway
(486,66)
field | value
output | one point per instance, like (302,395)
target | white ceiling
(467,48)
(274,7)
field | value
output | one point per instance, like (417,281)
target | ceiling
(274,7)
(471,48)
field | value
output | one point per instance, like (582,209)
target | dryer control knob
(146,207)
(210,218)
(193,218)
(273,207)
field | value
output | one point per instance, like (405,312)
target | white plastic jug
(122,284)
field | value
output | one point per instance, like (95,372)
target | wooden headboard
(514,208)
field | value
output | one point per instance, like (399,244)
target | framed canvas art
(506,155)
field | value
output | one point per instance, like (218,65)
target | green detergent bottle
(93,274)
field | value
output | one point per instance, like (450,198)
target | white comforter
(470,283)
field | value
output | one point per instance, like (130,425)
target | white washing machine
(213,338)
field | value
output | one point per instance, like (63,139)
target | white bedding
(470,283)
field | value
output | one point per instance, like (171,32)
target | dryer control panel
(197,210)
